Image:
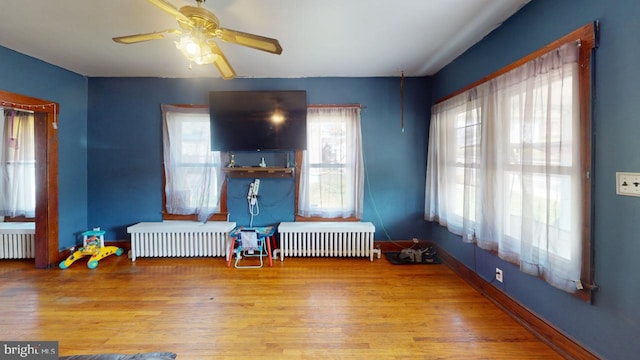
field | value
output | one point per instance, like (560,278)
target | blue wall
(110,155)
(611,326)
(125,149)
(31,77)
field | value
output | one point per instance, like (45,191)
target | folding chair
(250,244)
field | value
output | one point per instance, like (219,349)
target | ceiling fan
(200,28)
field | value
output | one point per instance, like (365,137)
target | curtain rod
(328,106)
(196,106)
(9,108)
(16,106)
(325,106)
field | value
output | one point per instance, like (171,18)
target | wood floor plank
(302,308)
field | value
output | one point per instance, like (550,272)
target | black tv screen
(258,120)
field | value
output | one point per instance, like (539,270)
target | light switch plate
(628,184)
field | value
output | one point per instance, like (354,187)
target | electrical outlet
(499,274)
(628,184)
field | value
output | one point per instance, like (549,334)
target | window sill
(316,218)
(19,219)
(194,217)
(259,172)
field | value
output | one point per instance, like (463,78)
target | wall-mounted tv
(258,120)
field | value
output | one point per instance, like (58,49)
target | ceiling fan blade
(250,40)
(131,39)
(172,10)
(223,65)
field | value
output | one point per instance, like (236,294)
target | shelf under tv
(259,172)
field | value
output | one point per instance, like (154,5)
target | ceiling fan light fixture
(201,28)
(195,50)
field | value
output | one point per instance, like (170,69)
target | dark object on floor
(145,356)
(412,256)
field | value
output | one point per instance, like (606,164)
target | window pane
(192,170)
(327,155)
(332,166)
(327,187)
(194,142)
(505,164)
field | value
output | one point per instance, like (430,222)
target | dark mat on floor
(394,258)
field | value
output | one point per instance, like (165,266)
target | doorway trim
(46,137)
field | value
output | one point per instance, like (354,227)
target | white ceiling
(320,38)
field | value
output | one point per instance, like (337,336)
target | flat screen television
(258,120)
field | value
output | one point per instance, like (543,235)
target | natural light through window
(18,163)
(332,171)
(193,173)
(504,166)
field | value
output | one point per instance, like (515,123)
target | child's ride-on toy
(93,245)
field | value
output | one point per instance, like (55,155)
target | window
(193,173)
(17,164)
(508,161)
(332,175)
(458,123)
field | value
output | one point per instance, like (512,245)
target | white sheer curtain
(452,163)
(332,174)
(193,172)
(504,167)
(17,164)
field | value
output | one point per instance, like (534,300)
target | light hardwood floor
(302,308)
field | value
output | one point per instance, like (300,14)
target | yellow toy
(93,241)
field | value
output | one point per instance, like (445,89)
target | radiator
(327,239)
(179,239)
(17,240)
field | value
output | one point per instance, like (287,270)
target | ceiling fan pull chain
(402,101)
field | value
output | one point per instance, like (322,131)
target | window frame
(558,171)
(221,215)
(32,163)
(586,36)
(298,162)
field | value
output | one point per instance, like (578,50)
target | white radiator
(327,239)
(179,239)
(17,240)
